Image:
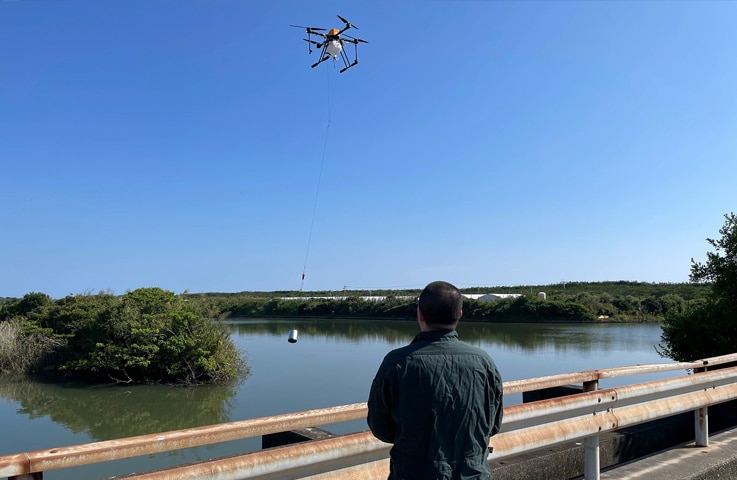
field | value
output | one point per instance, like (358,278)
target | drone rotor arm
(353,40)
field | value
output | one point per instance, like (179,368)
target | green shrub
(149,336)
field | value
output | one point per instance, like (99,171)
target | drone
(332,44)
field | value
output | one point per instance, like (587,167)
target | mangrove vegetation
(148,335)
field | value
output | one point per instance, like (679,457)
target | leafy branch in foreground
(708,328)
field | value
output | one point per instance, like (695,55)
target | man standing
(438,400)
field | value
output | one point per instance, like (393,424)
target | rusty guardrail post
(591,461)
(701,421)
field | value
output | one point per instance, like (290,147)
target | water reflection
(528,337)
(391,331)
(533,338)
(113,411)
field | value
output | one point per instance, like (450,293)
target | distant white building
(490,297)
(367,298)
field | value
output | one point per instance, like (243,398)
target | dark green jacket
(438,400)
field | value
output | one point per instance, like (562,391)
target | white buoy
(293,336)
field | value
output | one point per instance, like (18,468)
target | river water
(332,363)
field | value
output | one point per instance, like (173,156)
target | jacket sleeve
(379,407)
(497,407)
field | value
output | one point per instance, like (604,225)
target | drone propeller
(319,45)
(347,23)
(309,29)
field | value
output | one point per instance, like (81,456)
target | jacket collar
(435,335)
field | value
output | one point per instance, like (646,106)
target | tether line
(331,100)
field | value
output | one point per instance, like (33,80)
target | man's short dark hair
(441,304)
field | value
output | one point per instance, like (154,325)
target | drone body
(333,47)
(332,44)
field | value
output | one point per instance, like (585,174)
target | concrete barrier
(616,448)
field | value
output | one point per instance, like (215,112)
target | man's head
(439,306)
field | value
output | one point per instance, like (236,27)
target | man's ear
(421,320)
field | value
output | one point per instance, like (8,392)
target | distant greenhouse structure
(481,297)
(490,297)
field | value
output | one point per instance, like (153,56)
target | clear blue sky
(188,145)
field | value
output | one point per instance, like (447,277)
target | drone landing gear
(349,66)
(320,61)
(347,62)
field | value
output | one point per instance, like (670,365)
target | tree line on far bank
(573,301)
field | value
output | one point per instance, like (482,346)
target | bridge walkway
(684,462)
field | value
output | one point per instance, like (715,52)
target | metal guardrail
(526,428)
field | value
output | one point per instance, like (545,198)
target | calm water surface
(332,363)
